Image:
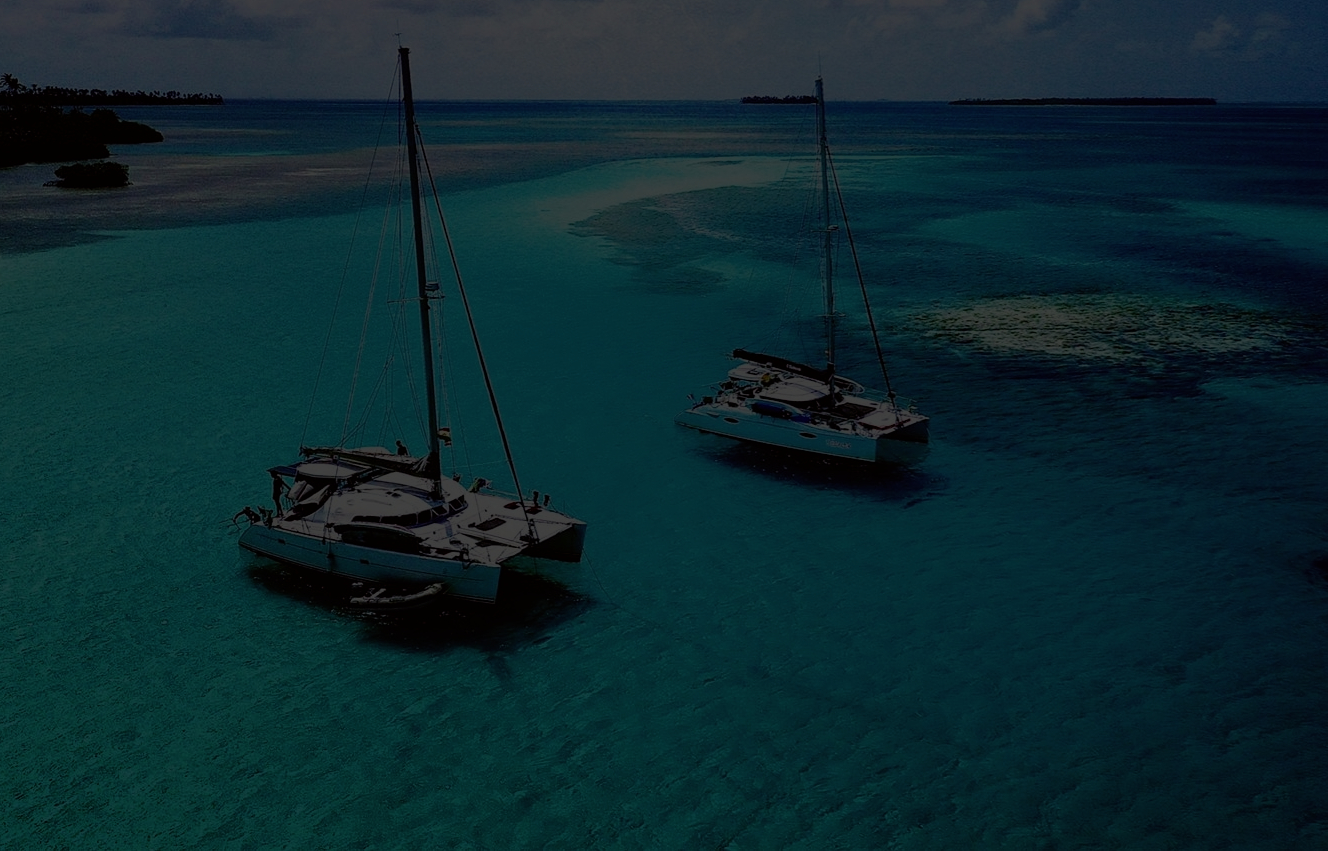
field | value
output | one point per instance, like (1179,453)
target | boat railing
(743,394)
(877,396)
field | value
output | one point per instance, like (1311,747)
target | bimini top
(323,469)
(785,365)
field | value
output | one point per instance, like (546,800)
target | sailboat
(385,517)
(768,399)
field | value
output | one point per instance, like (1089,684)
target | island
(787,99)
(35,127)
(51,135)
(1086,102)
(102,175)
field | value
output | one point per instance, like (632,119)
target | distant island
(34,128)
(14,92)
(1087,102)
(783,100)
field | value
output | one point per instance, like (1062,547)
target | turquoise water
(1095,617)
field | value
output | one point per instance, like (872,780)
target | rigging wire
(383,383)
(792,309)
(862,283)
(364,333)
(474,333)
(441,345)
(400,342)
(807,222)
(361,425)
(400,337)
(345,269)
(392,230)
(449,420)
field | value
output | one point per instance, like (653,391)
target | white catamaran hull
(903,446)
(457,538)
(465,579)
(772,400)
(384,516)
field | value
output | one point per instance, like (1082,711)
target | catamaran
(768,399)
(386,517)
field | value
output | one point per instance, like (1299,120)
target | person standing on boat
(278,488)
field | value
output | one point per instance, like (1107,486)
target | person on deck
(278,488)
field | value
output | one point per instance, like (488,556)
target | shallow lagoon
(1093,618)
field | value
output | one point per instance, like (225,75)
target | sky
(1233,50)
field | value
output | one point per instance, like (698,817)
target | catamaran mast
(433,463)
(824,149)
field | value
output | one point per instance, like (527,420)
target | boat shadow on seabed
(893,484)
(528,609)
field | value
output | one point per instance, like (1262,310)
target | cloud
(1000,17)
(93,7)
(463,8)
(1269,33)
(902,49)
(206,19)
(1221,36)
(1033,16)
(877,19)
